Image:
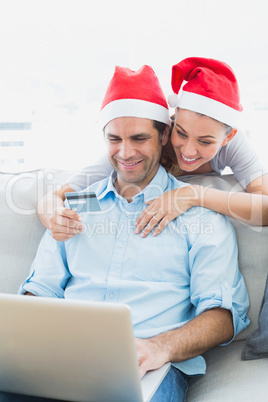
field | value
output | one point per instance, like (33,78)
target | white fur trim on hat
(134,108)
(209,107)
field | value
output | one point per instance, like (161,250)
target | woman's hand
(165,208)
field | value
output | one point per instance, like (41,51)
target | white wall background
(57,57)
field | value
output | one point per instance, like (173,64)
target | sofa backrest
(21,229)
(21,232)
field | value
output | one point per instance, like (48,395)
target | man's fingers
(69,213)
(63,226)
(67,230)
(142,370)
(61,236)
(68,222)
(62,233)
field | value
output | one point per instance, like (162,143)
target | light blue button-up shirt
(167,280)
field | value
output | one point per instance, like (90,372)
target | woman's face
(196,139)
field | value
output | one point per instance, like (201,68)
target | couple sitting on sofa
(183,286)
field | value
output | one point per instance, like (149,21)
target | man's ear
(165,135)
(229,137)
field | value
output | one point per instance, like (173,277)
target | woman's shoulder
(240,157)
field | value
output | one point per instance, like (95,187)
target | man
(183,287)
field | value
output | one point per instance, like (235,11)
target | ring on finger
(154,217)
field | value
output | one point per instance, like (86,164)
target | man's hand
(209,329)
(152,354)
(65,224)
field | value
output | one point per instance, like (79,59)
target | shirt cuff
(223,299)
(38,290)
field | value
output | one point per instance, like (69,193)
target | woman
(203,140)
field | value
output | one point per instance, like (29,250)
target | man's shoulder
(194,212)
(174,182)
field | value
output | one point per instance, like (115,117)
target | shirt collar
(157,185)
(106,186)
(155,188)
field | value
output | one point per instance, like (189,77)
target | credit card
(83,202)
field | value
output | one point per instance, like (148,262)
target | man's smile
(129,165)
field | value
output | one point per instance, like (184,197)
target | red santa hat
(134,94)
(212,89)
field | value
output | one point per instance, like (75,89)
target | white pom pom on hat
(173,100)
(211,89)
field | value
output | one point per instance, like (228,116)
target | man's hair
(160,127)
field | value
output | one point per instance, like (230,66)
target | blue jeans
(172,389)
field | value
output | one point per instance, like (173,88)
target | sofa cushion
(256,346)
(230,379)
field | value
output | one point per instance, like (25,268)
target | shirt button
(127,213)
(226,285)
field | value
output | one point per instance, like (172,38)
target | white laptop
(71,350)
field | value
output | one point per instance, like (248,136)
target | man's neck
(127,190)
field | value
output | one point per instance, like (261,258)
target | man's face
(134,149)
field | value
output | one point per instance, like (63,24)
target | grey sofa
(228,378)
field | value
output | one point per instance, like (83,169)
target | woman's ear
(229,137)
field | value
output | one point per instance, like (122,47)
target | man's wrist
(164,345)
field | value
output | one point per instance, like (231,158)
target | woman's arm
(250,207)
(63,222)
